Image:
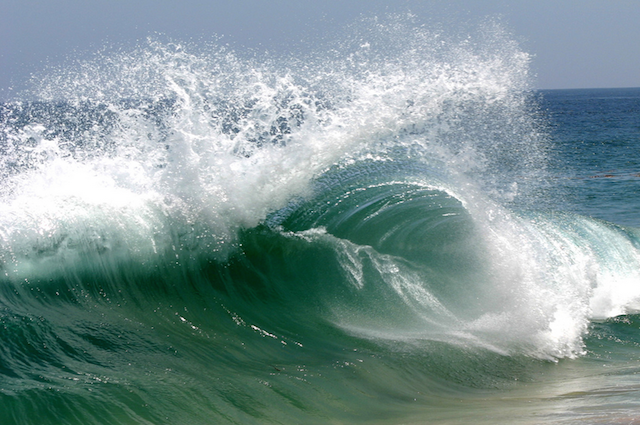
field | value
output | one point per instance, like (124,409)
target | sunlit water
(393,228)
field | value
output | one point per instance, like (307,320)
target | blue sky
(575,43)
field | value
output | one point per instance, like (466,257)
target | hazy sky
(575,43)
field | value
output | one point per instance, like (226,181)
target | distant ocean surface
(393,230)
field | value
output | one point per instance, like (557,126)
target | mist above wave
(201,137)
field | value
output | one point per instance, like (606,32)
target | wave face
(188,232)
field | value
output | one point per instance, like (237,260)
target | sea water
(391,228)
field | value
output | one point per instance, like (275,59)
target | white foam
(171,135)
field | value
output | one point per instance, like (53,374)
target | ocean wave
(238,233)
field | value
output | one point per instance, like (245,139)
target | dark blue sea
(393,228)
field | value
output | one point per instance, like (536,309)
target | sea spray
(210,138)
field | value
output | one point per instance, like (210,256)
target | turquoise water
(391,229)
